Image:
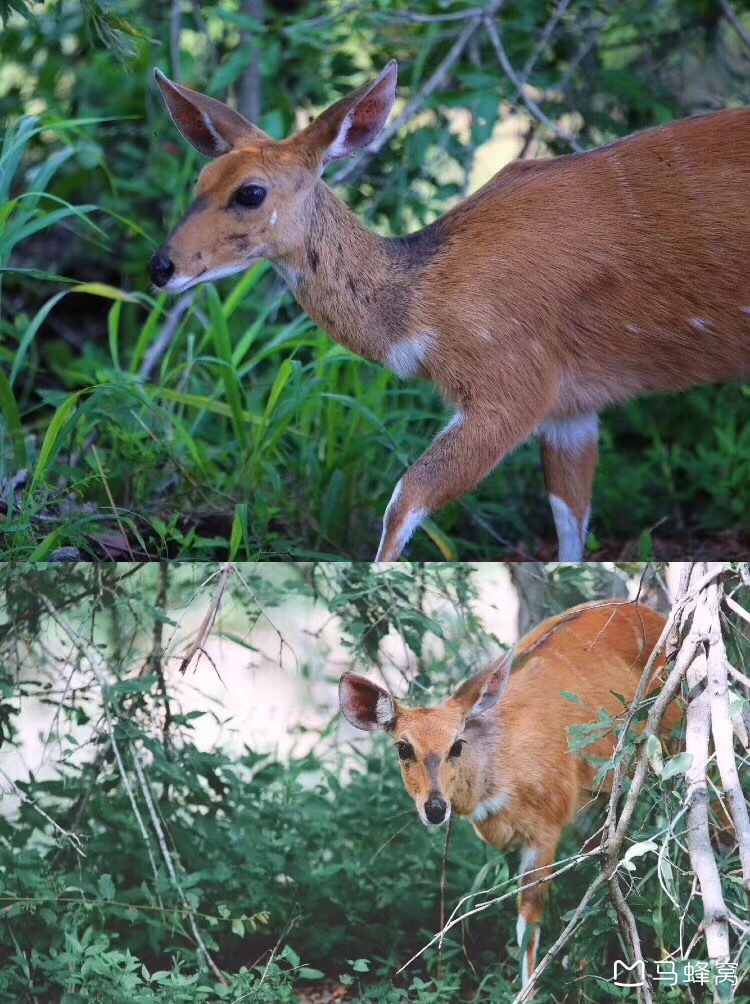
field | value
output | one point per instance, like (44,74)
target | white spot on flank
(746,310)
(274,217)
(571,532)
(700,323)
(490,806)
(571,435)
(407,357)
(633,329)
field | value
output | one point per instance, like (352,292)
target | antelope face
(429,744)
(429,741)
(254,200)
(249,204)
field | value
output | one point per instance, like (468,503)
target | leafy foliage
(301,873)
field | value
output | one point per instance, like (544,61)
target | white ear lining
(384,710)
(224,147)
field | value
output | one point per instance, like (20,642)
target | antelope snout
(435,809)
(161,268)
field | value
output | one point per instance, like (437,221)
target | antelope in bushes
(560,287)
(496,752)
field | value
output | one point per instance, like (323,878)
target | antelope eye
(249,196)
(456,748)
(405,751)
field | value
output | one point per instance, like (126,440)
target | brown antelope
(497,751)
(560,287)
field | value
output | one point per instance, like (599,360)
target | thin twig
(167,857)
(169,329)
(97,667)
(417,103)
(75,840)
(511,74)
(570,929)
(731,15)
(208,621)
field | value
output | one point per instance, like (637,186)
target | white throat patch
(490,806)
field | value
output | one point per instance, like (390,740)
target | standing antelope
(497,750)
(558,288)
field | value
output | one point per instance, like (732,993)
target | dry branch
(417,103)
(97,665)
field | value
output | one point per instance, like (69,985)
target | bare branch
(721,729)
(249,98)
(162,841)
(198,645)
(511,74)
(572,926)
(733,17)
(418,102)
(169,329)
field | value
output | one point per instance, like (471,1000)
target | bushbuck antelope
(558,288)
(496,752)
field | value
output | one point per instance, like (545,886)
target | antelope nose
(435,809)
(161,268)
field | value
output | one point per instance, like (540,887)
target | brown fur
(560,287)
(519,747)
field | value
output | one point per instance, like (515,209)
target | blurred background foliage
(299,872)
(228,424)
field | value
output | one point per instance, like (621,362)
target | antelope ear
(482,691)
(364,704)
(210,126)
(352,122)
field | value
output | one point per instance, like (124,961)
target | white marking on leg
(412,520)
(571,531)
(407,357)
(388,510)
(453,424)
(529,856)
(570,434)
(490,806)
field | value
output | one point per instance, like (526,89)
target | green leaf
(106,887)
(52,438)
(655,756)
(13,421)
(306,973)
(677,765)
